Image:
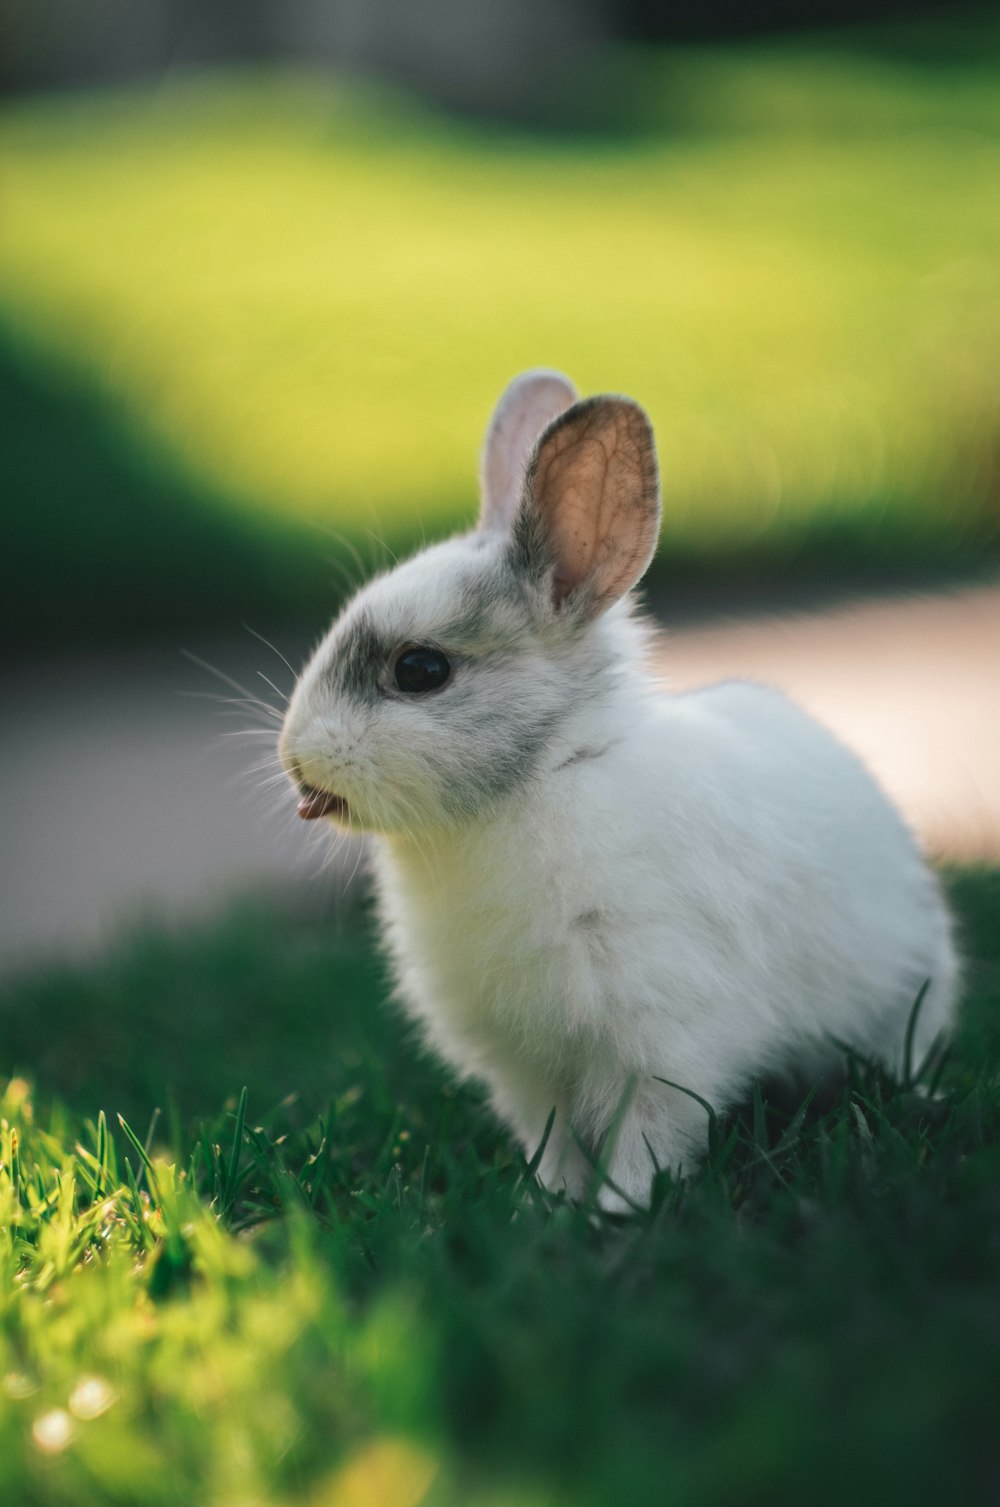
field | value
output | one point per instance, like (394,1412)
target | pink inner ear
(529,403)
(595,487)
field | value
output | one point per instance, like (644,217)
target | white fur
(701,888)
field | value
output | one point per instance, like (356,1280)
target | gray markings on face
(360,658)
(482,735)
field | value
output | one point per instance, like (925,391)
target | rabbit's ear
(528,404)
(590,511)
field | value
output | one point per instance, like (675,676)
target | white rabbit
(589,885)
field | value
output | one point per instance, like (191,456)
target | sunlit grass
(146,1356)
(308,293)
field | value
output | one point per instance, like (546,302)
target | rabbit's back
(831,907)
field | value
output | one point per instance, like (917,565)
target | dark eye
(421,670)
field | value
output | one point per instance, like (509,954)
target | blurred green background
(253,317)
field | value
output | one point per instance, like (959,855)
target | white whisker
(274,688)
(214,670)
(225,701)
(273,647)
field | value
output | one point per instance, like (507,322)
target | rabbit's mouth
(315,803)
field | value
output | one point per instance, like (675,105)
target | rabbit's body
(589,885)
(584,940)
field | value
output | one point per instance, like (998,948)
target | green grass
(299,296)
(345,1290)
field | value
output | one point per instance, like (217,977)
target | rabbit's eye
(421,670)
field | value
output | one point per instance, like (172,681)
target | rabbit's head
(439,686)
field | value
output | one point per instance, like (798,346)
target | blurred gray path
(127,789)
(130,787)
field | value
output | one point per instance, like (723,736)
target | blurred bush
(280,303)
